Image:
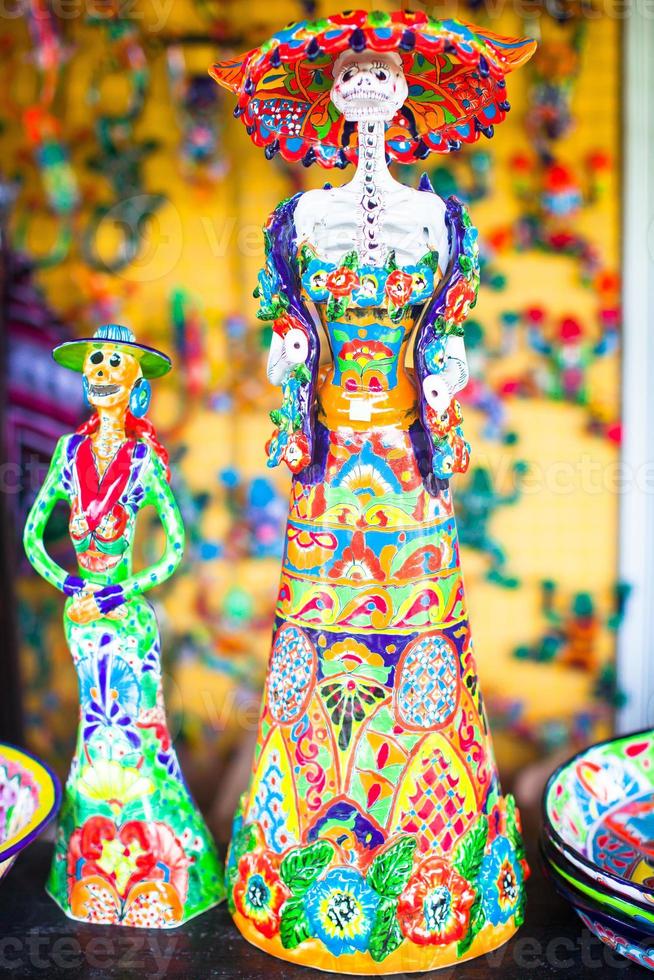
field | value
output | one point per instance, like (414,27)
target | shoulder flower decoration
(340,284)
(461,297)
(399,286)
(450,453)
(341,281)
(350,283)
(434,909)
(370,290)
(290,442)
(451,450)
(259,893)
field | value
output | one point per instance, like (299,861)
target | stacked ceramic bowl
(29,797)
(597,841)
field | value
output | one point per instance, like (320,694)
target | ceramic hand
(437,392)
(285,353)
(456,364)
(84,608)
(79,526)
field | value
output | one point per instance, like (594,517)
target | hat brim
(72,354)
(455,73)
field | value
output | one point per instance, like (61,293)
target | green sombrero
(72,353)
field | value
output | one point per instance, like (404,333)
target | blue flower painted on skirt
(109,692)
(501,879)
(341,909)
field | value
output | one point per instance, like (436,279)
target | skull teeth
(102,390)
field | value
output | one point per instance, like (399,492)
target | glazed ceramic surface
(634,931)
(131,847)
(598,810)
(620,933)
(374,830)
(374,837)
(595,876)
(640,914)
(616,939)
(29,797)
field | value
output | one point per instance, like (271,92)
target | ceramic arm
(159,494)
(50,493)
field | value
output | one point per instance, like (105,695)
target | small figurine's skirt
(131,847)
(373,838)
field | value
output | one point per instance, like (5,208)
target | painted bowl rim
(622,888)
(560,866)
(554,834)
(585,903)
(47,805)
(605,921)
(597,922)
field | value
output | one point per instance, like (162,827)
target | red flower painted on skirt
(136,874)
(434,908)
(358,562)
(259,892)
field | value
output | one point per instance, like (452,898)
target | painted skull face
(368,85)
(111,375)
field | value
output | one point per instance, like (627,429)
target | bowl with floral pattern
(616,939)
(29,798)
(621,934)
(581,888)
(598,812)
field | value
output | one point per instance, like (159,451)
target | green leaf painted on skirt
(512,831)
(302,865)
(519,914)
(294,926)
(477,920)
(470,852)
(390,871)
(244,840)
(386,934)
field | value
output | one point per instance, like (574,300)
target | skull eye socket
(96,357)
(349,73)
(381,74)
(115,360)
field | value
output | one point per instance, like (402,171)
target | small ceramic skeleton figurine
(374,837)
(131,848)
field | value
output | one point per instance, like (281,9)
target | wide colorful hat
(455,73)
(72,353)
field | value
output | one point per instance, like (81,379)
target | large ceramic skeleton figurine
(374,837)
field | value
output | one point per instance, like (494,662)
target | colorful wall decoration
(137,203)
